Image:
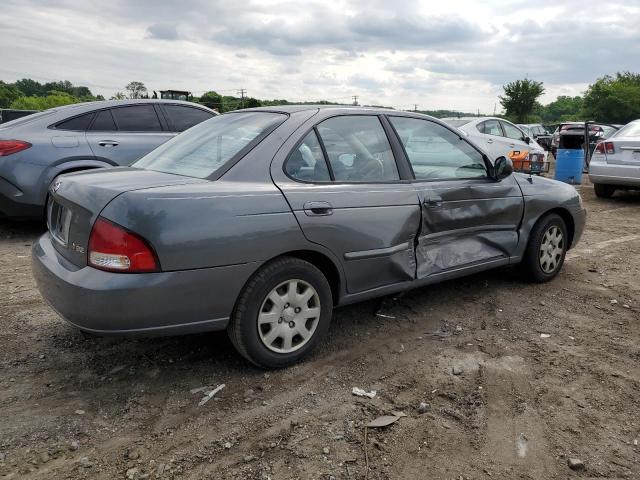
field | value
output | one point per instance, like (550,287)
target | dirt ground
(517,379)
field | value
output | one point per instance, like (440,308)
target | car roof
(302,108)
(88,106)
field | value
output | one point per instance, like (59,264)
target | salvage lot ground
(520,406)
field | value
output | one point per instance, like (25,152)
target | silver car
(615,162)
(261,221)
(37,148)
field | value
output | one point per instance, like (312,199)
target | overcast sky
(445,54)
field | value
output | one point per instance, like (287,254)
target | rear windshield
(458,122)
(629,130)
(202,150)
(27,118)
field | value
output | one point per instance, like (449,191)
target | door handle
(490,141)
(108,143)
(512,145)
(433,201)
(318,209)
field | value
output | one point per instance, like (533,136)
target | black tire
(243,328)
(603,191)
(531,263)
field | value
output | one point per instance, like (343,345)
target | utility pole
(415,107)
(241,92)
(355,100)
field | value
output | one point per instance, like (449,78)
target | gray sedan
(261,221)
(37,148)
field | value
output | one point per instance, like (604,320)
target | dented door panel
(467,222)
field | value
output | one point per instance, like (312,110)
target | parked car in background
(576,129)
(37,148)
(260,221)
(500,137)
(615,163)
(539,133)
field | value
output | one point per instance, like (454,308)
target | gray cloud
(163,31)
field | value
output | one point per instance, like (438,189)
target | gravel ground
(516,381)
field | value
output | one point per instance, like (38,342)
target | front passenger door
(468,219)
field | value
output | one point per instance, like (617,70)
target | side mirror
(527,140)
(502,168)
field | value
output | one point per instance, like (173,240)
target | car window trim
(487,163)
(342,182)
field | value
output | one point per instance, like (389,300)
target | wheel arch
(568,221)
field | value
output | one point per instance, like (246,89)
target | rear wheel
(281,313)
(603,191)
(546,250)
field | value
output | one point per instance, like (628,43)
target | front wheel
(282,313)
(546,250)
(603,191)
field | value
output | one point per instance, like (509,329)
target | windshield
(457,122)
(201,150)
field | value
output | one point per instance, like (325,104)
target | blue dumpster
(569,165)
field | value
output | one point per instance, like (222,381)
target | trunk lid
(627,151)
(76,200)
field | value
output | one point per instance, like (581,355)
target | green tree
(29,87)
(613,99)
(8,94)
(118,96)
(212,100)
(520,99)
(55,99)
(562,109)
(136,89)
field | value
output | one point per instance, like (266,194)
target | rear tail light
(115,249)
(600,148)
(7,147)
(609,148)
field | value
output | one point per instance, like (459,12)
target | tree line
(610,99)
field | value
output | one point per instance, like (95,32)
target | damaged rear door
(344,187)
(468,219)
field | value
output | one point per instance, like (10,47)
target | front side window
(306,162)
(137,118)
(183,117)
(490,127)
(207,147)
(358,149)
(437,153)
(512,132)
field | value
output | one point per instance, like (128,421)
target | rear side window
(137,118)
(80,123)
(358,149)
(437,153)
(204,149)
(307,162)
(185,117)
(490,127)
(512,132)
(104,122)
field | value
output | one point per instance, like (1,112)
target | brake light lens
(609,148)
(8,147)
(115,249)
(600,148)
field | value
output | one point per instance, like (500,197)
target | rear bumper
(164,303)
(13,202)
(614,174)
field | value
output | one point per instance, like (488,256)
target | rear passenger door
(493,138)
(468,219)
(345,188)
(123,134)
